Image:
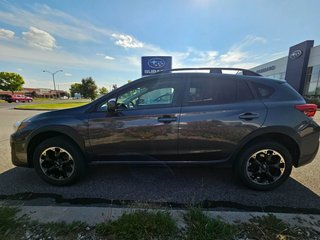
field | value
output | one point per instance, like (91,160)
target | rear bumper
(309,145)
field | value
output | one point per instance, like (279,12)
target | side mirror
(140,101)
(112,105)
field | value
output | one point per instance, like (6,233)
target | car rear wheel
(59,161)
(264,166)
(29,100)
(17,101)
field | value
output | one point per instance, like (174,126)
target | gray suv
(261,127)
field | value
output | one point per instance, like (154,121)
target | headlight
(20,125)
(23,125)
(16,125)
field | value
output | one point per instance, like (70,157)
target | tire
(29,101)
(16,101)
(264,165)
(59,171)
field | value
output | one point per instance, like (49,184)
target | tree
(114,86)
(34,94)
(88,88)
(11,81)
(75,88)
(103,91)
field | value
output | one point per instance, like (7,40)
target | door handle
(167,119)
(249,116)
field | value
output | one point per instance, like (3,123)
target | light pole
(54,83)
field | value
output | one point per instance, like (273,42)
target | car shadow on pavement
(204,186)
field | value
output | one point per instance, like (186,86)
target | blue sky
(106,39)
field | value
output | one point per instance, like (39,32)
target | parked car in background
(259,126)
(18,98)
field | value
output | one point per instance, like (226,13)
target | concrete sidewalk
(94,215)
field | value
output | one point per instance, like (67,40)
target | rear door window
(244,92)
(207,91)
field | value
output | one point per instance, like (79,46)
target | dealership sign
(154,64)
(266,69)
(295,54)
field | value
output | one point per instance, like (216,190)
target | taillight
(308,109)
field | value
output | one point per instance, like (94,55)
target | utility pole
(54,82)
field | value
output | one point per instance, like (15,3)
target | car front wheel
(59,161)
(264,166)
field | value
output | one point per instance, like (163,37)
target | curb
(95,215)
(36,109)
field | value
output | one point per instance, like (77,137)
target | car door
(145,122)
(217,113)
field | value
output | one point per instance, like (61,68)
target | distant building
(301,68)
(77,96)
(38,92)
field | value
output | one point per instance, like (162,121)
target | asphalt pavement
(210,187)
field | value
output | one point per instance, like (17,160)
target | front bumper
(19,155)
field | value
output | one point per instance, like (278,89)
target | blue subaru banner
(154,64)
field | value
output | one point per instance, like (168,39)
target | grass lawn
(53,106)
(43,99)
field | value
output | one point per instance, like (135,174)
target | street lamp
(54,83)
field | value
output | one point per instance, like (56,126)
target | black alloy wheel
(59,161)
(264,165)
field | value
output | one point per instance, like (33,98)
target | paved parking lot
(212,187)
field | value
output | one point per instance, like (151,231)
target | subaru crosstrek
(261,127)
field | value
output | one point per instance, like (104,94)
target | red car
(18,98)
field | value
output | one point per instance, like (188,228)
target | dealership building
(301,68)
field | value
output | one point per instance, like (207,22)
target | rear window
(263,91)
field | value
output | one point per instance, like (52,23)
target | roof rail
(213,70)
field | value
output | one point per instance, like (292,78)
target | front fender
(76,136)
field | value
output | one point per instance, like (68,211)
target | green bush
(141,225)
(201,227)
(270,227)
(313,100)
(8,222)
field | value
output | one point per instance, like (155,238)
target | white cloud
(279,54)
(239,53)
(108,58)
(44,83)
(20,54)
(135,61)
(6,34)
(201,58)
(233,56)
(249,40)
(246,65)
(126,41)
(19,69)
(39,38)
(68,74)
(47,21)
(52,20)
